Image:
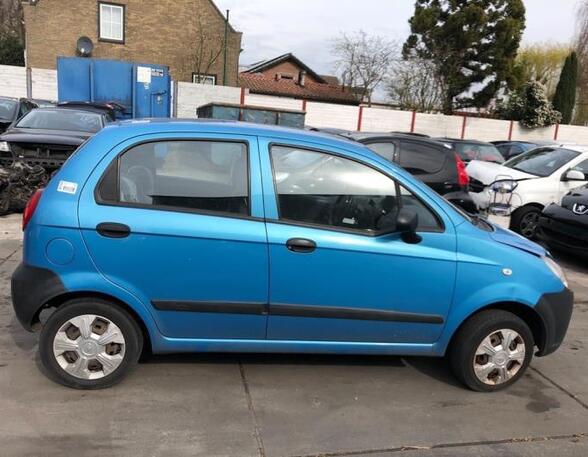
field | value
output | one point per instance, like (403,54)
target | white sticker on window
(67,187)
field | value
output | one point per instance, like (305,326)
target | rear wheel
(89,343)
(491,351)
(525,221)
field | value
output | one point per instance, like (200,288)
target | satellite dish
(84,47)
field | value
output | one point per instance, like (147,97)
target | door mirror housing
(574,175)
(407,223)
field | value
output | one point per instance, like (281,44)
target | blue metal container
(143,89)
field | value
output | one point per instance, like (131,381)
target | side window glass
(319,188)
(23,110)
(583,167)
(385,150)
(185,175)
(421,159)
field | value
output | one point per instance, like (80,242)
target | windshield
(476,151)
(62,119)
(7,109)
(541,162)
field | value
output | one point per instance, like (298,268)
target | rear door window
(421,159)
(205,176)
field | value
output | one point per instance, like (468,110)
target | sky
(306,27)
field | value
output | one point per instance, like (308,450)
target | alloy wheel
(529,223)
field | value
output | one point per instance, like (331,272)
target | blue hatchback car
(200,236)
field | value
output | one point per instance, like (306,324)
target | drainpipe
(226,45)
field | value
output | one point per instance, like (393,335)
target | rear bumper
(31,288)
(555,311)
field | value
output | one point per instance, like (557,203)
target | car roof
(65,108)
(459,140)
(129,128)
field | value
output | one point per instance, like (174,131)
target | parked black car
(434,163)
(48,136)
(565,226)
(111,110)
(510,149)
(12,109)
(469,150)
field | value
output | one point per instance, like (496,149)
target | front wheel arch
(524,312)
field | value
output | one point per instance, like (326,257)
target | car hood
(515,240)
(489,172)
(575,197)
(45,136)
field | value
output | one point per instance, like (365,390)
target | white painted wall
(13,81)
(44,84)
(191,96)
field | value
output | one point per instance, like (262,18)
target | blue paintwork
(103,81)
(198,257)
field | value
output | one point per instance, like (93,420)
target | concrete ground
(261,405)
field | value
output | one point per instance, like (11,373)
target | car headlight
(505,186)
(4,146)
(556,269)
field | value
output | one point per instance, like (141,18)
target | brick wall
(165,32)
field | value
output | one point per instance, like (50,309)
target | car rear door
(178,222)
(335,276)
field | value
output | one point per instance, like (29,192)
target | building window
(111,22)
(204,79)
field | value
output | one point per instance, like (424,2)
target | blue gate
(142,89)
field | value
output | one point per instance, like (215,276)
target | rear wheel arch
(59,300)
(522,311)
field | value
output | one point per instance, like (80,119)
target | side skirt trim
(288,310)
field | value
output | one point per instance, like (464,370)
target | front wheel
(89,343)
(491,351)
(525,221)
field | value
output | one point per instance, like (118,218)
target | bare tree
(205,52)
(414,85)
(363,61)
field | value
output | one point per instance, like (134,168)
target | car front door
(179,224)
(338,270)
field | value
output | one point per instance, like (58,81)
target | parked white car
(520,188)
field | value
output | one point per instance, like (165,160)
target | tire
(525,221)
(506,367)
(99,358)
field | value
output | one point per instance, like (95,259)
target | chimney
(302,78)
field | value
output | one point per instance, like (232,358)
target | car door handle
(301,245)
(113,230)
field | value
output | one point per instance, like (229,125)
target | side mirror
(574,175)
(407,222)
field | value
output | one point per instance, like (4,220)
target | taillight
(30,208)
(462,175)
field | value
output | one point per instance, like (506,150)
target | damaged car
(522,187)
(48,136)
(12,109)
